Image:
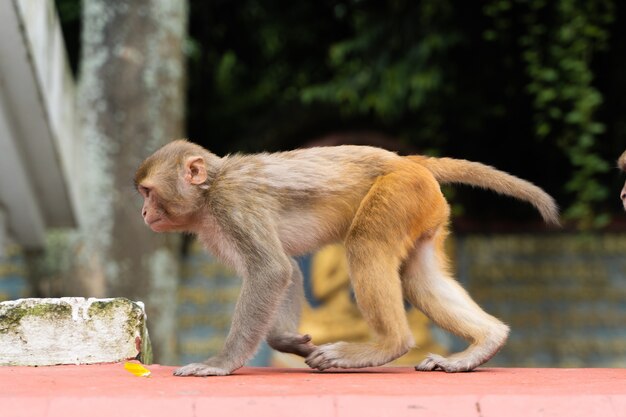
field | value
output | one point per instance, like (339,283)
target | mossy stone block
(72,330)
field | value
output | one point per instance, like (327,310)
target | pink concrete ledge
(110,391)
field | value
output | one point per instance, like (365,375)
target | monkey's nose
(623,195)
(144,212)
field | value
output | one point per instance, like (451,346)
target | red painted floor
(109,390)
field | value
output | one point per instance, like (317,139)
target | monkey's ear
(195,170)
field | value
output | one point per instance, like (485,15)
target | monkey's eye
(144,191)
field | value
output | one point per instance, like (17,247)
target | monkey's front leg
(284,335)
(256,308)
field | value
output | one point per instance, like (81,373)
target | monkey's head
(173,182)
(621,164)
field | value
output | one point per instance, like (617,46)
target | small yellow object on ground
(136,369)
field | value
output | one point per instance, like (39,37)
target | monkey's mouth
(161,224)
(152,222)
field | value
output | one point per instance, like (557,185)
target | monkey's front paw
(437,362)
(201,369)
(327,356)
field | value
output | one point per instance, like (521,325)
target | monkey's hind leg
(379,296)
(380,236)
(284,336)
(428,286)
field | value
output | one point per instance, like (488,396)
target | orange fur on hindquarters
(375,248)
(399,208)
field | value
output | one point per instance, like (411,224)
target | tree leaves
(559,41)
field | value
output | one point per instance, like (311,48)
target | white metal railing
(39,143)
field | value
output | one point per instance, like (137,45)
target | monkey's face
(168,205)
(153,210)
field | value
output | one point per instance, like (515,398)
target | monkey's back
(315,192)
(329,168)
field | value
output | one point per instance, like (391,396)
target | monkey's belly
(304,232)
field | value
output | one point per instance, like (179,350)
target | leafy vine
(557,43)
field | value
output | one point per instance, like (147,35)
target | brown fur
(255,212)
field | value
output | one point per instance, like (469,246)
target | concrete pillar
(4,234)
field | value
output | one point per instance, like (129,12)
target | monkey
(621,164)
(257,212)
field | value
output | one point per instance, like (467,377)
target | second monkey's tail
(449,170)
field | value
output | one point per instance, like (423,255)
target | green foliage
(69,10)
(390,66)
(252,59)
(558,43)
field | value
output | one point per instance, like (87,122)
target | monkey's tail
(449,170)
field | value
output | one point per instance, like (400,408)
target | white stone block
(72,330)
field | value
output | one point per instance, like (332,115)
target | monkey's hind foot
(353,355)
(201,369)
(437,362)
(464,361)
(475,355)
